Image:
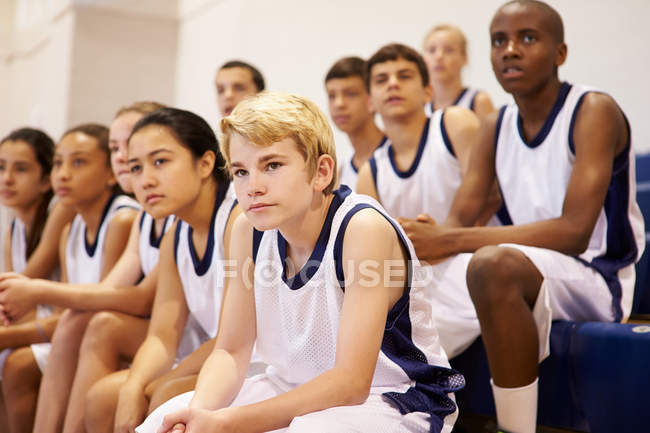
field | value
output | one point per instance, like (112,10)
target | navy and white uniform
(350,173)
(533,176)
(149,242)
(84,261)
(203,280)
(149,252)
(429,185)
(297,327)
(465,99)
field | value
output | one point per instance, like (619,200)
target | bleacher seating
(597,376)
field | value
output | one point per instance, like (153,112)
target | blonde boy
(344,350)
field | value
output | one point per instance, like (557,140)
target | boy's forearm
(330,389)
(220,379)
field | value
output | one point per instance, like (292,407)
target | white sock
(516,407)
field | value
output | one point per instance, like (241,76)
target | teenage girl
(445,52)
(30,245)
(82,179)
(166,146)
(110,343)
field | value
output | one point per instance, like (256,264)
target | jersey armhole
(445,136)
(257,238)
(177,238)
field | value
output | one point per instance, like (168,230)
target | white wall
(294,42)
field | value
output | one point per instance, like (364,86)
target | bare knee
(101,330)
(70,327)
(498,276)
(20,372)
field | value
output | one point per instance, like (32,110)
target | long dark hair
(43,147)
(192,132)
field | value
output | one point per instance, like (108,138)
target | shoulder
(459,118)
(599,104)
(599,118)
(123,218)
(368,230)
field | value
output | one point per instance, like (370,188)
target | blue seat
(595,380)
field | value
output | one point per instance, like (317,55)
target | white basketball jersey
(350,173)
(84,262)
(18,246)
(149,243)
(429,185)
(466,99)
(534,176)
(203,280)
(298,318)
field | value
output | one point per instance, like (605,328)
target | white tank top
(18,246)
(466,99)
(203,280)
(429,185)
(350,173)
(534,175)
(149,243)
(298,318)
(83,261)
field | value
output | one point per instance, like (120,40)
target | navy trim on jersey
(177,239)
(373,170)
(456,101)
(154,240)
(338,243)
(202,266)
(572,124)
(90,249)
(502,214)
(472,103)
(13,227)
(550,119)
(316,257)
(354,167)
(622,249)
(497,127)
(418,156)
(257,238)
(445,136)
(142,219)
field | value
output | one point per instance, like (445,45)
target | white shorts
(375,415)
(41,351)
(570,291)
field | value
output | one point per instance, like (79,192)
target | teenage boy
(421,166)
(332,308)
(349,105)
(562,155)
(235,81)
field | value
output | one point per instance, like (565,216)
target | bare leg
(20,379)
(110,337)
(4,421)
(504,284)
(101,402)
(171,388)
(59,372)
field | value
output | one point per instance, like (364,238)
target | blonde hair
(269,117)
(452,29)
(142,107)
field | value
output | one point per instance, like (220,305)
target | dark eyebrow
(149,155)
(261,160)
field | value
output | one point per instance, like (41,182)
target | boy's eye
(529,38)
(498,41)
(77,162)
(240,173)
(56,163)
(273,165)
(134,169)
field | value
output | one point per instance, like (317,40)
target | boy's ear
(324,172)
(561,54)
(206,163)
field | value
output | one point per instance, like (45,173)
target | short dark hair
(555,20)
(191,131)
(393,52)
(258,78)
(351,66)
(141,107)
